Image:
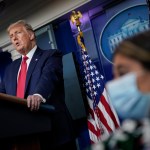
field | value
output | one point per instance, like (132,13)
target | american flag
(102,119)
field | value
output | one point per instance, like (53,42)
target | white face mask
(128,101)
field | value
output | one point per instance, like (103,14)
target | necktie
(22,78)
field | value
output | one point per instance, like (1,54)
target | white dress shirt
(30,55)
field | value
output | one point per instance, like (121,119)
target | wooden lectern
(18,122)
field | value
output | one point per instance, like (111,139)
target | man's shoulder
(13,65)
(16,61)
(52,52)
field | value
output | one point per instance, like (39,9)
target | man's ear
(32,35)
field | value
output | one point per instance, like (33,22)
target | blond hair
(21,22)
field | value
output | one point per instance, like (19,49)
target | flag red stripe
(109,110)
(93,130)
(91,112)
(103,120)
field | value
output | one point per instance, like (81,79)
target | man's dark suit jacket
(45,77)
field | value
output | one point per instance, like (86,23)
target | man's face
(21,39)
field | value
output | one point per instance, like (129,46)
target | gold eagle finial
(75,18)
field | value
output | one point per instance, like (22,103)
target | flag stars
(92,74)
(98,85)
(95,93)
(90,61)
(96,72)
(83,57)
(91,95)
(84,71)
(86,56)
(97,79)
(93,80)
(90,88)
(102,77)
(87,68)
(86,78)
(94,87)
(94,66)
(85,63)
(88,75)
(91,67)
(86,84)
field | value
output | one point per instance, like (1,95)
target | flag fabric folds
(102,118)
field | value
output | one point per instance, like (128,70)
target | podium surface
(17,120)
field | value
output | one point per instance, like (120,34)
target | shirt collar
(32,51)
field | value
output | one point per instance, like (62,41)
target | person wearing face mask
(130,89)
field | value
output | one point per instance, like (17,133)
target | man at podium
(38,77)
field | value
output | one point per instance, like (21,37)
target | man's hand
(33,102)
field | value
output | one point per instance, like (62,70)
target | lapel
(32,65)
(14,75)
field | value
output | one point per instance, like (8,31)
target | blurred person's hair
(21,22)
(136,47)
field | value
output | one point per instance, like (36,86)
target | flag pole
(102,119)
(75,19)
